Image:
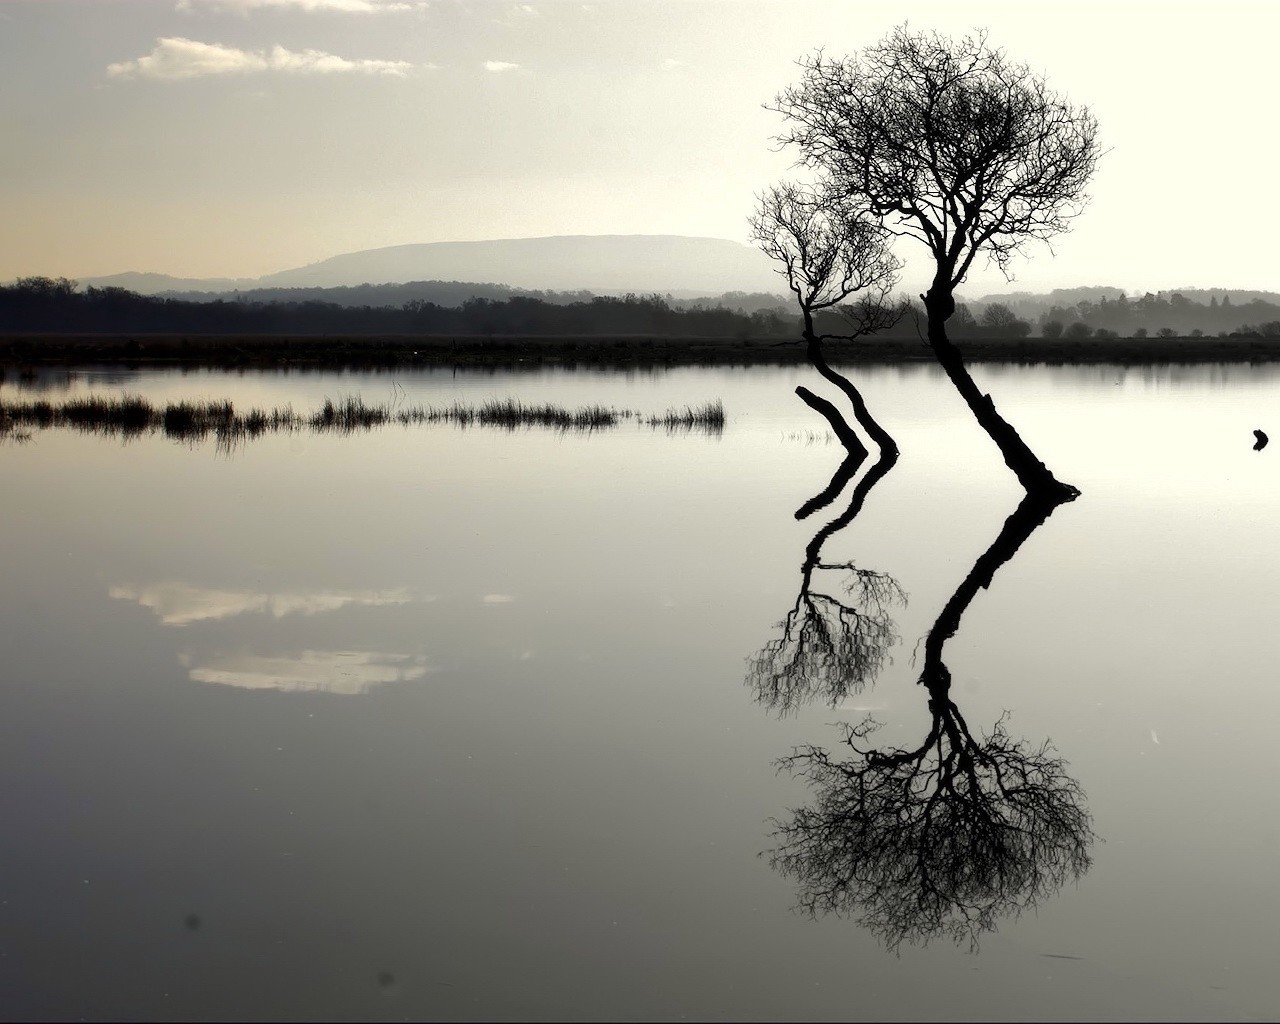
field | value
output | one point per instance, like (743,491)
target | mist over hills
(690,272)
(602,264)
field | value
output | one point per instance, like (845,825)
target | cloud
(500,65)
(671,64)
(344,6)
(178,604)
(319,62)
(177,58)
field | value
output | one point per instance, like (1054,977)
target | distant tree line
(1163,314)
(994,320)
(41,304)
(442,293)
(448,293)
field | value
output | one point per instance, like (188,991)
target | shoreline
(346,351)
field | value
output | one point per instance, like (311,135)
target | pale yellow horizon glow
(239,138)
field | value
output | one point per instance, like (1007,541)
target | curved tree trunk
(1033,474)
(857,450)
(861,413)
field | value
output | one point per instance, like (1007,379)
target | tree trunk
(1033,474)
(861,413)
(857,450)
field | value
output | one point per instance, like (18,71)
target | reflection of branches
(830,646)
(942,840)
(946,838)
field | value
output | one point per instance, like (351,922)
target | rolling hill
(604,264)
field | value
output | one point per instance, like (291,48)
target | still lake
(434,722)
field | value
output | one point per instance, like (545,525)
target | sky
(233,138)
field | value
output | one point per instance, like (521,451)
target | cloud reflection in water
(340,672)
(177,604)
(347,672)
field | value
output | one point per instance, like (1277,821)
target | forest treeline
(449,293)
(41,304)
(38,304)
(1164,313)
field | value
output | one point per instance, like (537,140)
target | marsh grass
(708,417)
(130,416)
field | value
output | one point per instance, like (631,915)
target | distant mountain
(155,284)
(597,263)
(609,264)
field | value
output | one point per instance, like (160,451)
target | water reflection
(178,604)
(38,378)
(348,673)
(947,838)
(836,637)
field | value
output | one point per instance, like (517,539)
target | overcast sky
(241,137)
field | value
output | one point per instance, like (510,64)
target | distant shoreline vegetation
(44,321)
(129,416)
(49,305)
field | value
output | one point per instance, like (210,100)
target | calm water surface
(444,723)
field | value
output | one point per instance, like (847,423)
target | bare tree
(952,144)
(829,250)
(946,838)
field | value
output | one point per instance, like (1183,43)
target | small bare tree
(830,251)
(952,144)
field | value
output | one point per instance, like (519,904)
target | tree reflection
(834,640)
(948,837)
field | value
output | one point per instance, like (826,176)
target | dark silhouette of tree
(947,838)
(951,143)
(963,324)
(835,639)
(999,321)
(829,251)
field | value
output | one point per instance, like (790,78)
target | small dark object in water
(1261,441)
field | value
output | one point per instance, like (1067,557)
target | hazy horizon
(284,277)
(240,138)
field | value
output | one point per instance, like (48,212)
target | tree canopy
(947,141)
